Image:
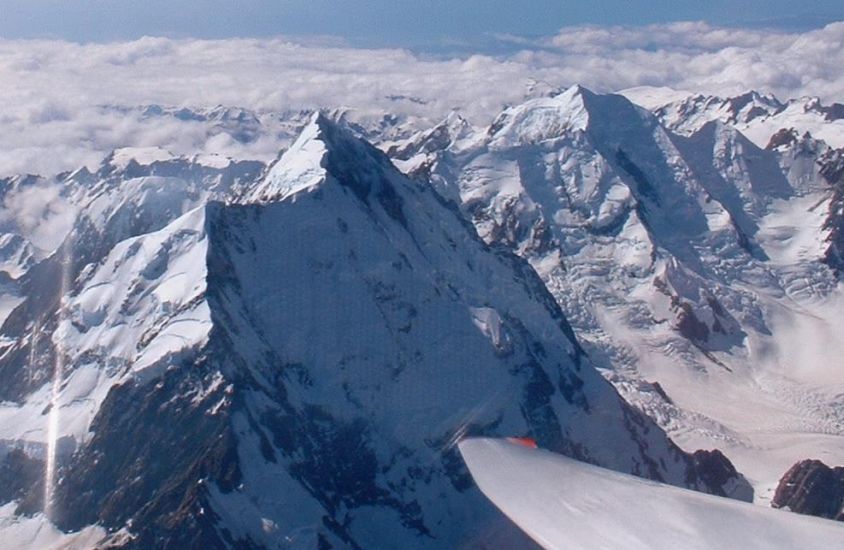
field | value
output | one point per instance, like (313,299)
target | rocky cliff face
(811,487)
(832,169)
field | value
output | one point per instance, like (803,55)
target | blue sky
(408,23)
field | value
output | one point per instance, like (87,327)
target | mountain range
(201,352)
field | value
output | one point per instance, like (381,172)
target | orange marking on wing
(528,442)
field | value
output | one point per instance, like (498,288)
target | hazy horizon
(434,25)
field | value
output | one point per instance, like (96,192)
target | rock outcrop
(812,488)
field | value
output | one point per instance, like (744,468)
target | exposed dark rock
(19,473)
(785,137)
(812,488)
(736,104)
(661,392)
(690,326)
(719,334)
(832,169)
(833,112)
(147,462)
(643,186)
(716,470)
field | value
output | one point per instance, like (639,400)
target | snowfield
(565,504)
(38,533)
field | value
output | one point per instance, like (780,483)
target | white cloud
(700,57)
(51,91)
(39,213)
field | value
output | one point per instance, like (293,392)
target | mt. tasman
(210,353)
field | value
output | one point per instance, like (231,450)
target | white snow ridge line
(565,504)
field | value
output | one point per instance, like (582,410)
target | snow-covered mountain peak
(654,97)
(812,104)
(454,133)
(691,113)
(456,127)
(757,115)
(542,118)
(324,152)
(300,167)
(753,102)
(143,156)
(577,110)
(126,163)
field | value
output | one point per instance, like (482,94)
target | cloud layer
(52,93)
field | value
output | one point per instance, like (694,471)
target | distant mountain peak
(542,118)
(577,109)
